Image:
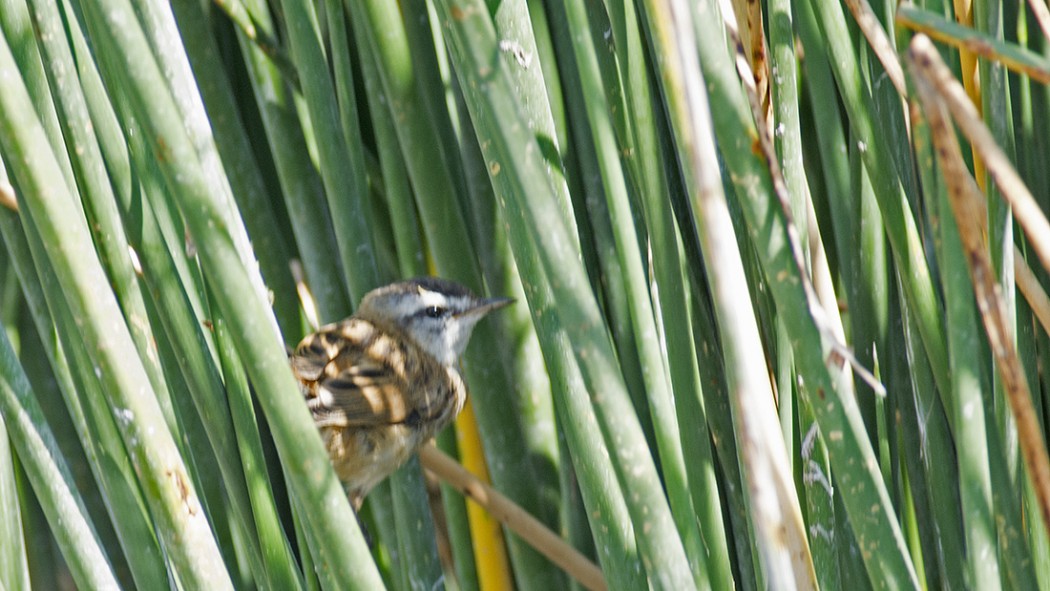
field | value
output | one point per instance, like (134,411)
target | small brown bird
(383,382)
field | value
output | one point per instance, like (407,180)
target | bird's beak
(487,305)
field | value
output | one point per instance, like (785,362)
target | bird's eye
(434,311)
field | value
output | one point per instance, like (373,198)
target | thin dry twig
(514,517)
(1013,189)
(968,207)
(880,43)
(743,23)
(1032,290)
(1042,15)
(780,190)
(305,296)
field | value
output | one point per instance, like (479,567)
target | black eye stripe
(434,311)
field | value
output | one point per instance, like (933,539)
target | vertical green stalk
(783,550)
(96,192)
(647,174)
(14,564)
(655,374)
(313,483)
(18,32)
(278,568)
(232,141)
(162,276)
(530,387)
(299,180)
(964,336)
(899,223)
(835,410)
(342,169)
(521,352)
(400,52)
(397,190)
(830,139)
(928,425)
(51,479)
(158,24)
(381,31)
(93,425)
(820,502)
(592,209)
(184,528)
(787,135)
(511,150)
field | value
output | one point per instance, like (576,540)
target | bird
(384,381)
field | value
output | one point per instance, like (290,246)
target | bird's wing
(354,376)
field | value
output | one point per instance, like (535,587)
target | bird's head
(439,315)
